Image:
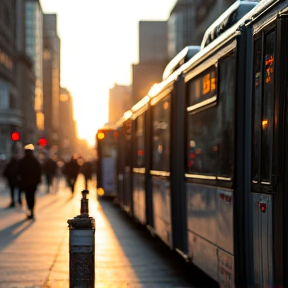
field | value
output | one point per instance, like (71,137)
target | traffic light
(42,142)
(15,136)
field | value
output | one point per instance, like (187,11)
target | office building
(152,58)
(25,77)
(120,100)
(10,113)
(67,126)
(34,49)
(189,20)
(207,12)
(181,27)
(51,79)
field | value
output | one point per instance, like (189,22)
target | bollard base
(82,273)
(82,257)
(81,247)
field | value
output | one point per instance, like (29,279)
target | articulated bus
(203,157)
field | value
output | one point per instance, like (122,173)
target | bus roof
(226,20)
(182,57)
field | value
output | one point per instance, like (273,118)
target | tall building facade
(152,41)
(181,27)
(34,49)
(189,20)
(51,80)
(10,113)
(207,12)
(25,77)
(152,57)
(67,128)
(120,100)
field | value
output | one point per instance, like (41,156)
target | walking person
(49,170)
(86,170)
(71,171)
(29,176)
(10,173)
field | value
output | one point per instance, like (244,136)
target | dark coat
(71,169)
(86,170)
(11,172)
(29,172)
(49,167)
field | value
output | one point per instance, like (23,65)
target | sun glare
(86,63)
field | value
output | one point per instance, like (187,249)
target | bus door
(267,188)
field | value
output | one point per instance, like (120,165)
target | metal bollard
(81,247)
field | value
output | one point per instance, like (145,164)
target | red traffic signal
(15,136)
(42,142)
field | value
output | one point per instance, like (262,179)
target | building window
(7,15)
(12,101)
(4,98)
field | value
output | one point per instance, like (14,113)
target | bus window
(257,110)
(267,107)
(202,142)
(161,135)
(140,140)
(226,117)
(263,108)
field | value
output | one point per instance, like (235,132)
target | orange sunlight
(96,52)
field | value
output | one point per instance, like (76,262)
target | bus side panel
(203,254)
(225,220)
(120,189)
(225,240)
(127,190)
(202,224)
(108,176)
(161,208)
(226,269)
(202,211)
(262,238)
(120,167)
(139,202)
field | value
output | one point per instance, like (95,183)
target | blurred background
(69,67)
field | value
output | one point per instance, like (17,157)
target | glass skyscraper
(34,49)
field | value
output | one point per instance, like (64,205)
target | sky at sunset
(99,42)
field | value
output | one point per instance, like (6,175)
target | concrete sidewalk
(35,254)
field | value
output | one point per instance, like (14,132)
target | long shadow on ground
(144,250)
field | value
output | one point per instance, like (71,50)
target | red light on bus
(262,207)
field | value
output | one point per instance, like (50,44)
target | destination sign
(202,87)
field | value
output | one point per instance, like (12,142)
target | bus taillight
(100,135)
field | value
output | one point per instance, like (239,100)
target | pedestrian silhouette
(49,170)
(10,173)
(87,170)
(71,171)
(29,176)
